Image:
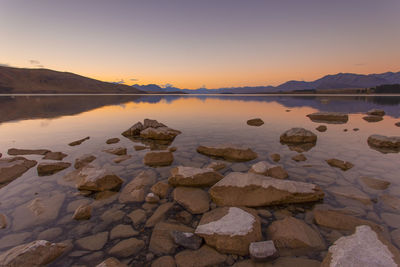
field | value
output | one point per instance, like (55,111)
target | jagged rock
(112,141)
(159,214)
(122,231)
(12,168)
(134,130)
(299,157)
(298,136)
(148,123)
(161,241)
(55,156)
(267,169)
(93,242)
(137,189)
(329,117)
(160,189)
(228,152)
(164,261)
(186,240)
(93,179)
(127,247)
(350,192)
(374,183)
(83,161)
(160,133)
(111,262)
(195,200)
(230,229)
(363,248)
(384,144)
(156,159)
(121,158)
(203,257)
(119,151)
(275,157)
(16,151)
(78,142)
(83,212)
(321,128)
(376,112)
(372,118)
(291,233)
(36,253)
(343,165)
(216,166)
(255,122)
(45,169)
(263,251)
(253,190)
(152,198)
(190,176)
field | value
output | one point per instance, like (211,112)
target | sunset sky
(216,43)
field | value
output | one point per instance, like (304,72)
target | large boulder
(298,136)
(230,229)
(363,248)
(254,190)
(329,117)
(268,169)
(36,253)
(384,144)
(137,189)
(93,179)
(157,159)
(228,152)
(191,176)
(12,168)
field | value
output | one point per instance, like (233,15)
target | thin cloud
(34,62)
(134,80)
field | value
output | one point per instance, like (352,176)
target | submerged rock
(329,117)
(343,165)
(191,176)
(157,159)
(253,190)
(137,189)
(267,169)
(78,142)
(374,183)
(93,242)
(36,253)
(127,247)
(159,214)
(16,151)
(281,262)
(216,166)
(12,168)
(275,157)
(230,229)
(255,122)
(119,151)
(83,212)
(363,248)
(350,192)
(3,221)
(203,257)
(55,156)
(84,160)
(121,158)
(93,179)
(195,200)
(384,144)
(111,262)
(45,169)
(228,152)
(164,261)
(299,157)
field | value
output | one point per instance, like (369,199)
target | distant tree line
(386,89)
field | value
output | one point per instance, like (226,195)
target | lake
(52,122)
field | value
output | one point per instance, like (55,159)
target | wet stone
(78,142)
(83,161)
(186,239)
(55,156)
(263,251)
(112,141)
(343,165)
(93,242)
(127,247)
(299,157)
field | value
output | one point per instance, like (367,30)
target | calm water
(54,121)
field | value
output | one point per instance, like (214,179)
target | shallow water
(52,122)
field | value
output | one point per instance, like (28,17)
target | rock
(267,169)
(93,242)
(299,157)
(3,221)
(190,176)
(390,202)
(83,212)
(343,165)
(122,231)
(397,124)
(92,179)
(156,159)
(134,130)
(184,217)
(152,198)
(78,142)
(281,262)
(321,128)
(340,221)
(112,141)
(112,215)
(350,192)
(253,190)
(161,241)
(275,157)
(263,251)
(50,234)
(137,216)
(216,166)
(391,219)
(230,229)
(372,118)
(363,248)
(160,133)
(293,234)
(186,239)
(111,262)
(195,200)
(203,257)
(160,189)
(159,214)
(148,123)
(298,136)
(228,152)
(121,158)
(172,149)
(45,169)
(164,261)
(83,161)
(16,151)
(36,253)
(13,240)
(127,247)
(119,151)
(384,144)
(329,117)
(137,189)
(255,122)
(55,156)
(374,183)
(12,168)
(139,148)
(376,112)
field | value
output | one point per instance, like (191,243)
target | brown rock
(159,214)
(275,157)
(374,183)
(372,118)
(228,152)
(343,165)
(121,158)
(267,169)
(190,176)
(55,156)
(390,202)
(119,151)
(137,189)
(111,262)
(376,112)
(280,262)
(138,148)
(137,216)
(3,221)
(83,212)
(78,142)
(195,200)
(299,157)
(83,161)
(298,136)
(164,261)
(12,168)
(160,133)
(45,169)
(321,128)
(122,231)
(134,130)
(397,124)
(16,151)
(152,198)
(255,122)
(329,117)
(205,256)
(127,247)
(263,251)
(155,159)
(384,144)
(112,141)
(160,189)
(93,242)
(92,179)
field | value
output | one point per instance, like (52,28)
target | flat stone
(255,122)
(263,251)
(45,169)
(112,141)
(299,157)
(329,117)
(159,214)
(112,215)
(55,156)
(93,242)
(50,234)
(139,147)
(385,144)
(350,192)
(321,128)
(186,240)
(93,179)
(343,165)
(12,168)
(216,166)
(298,136)
(36,253)
(161,189)
(16,151)
(83,212)
(230,229)
(78,142)
(374,183)
(253,190)
(372,118)
(157,159)
(195,200)
(390,202)
(127,247)
(391,219)
(228,152)
(267,169)
(376,112)
(83,161)
(363,248)
(121,158)
(13,240)
(122,231)
(137,216)
(137,189)
(111,262)
(280,262)
(119,151)
(164,261)
(190,176)
(205,256)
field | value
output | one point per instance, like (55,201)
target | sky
(211,43)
